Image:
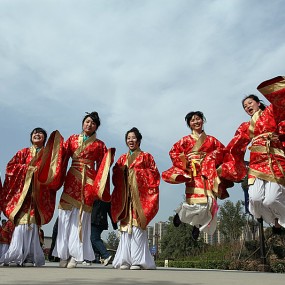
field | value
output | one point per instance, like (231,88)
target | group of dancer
(200,161)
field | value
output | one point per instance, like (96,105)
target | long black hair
(262,106)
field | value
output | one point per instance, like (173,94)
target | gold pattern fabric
(263,132)
(30,185)
(195,161)
(135,198)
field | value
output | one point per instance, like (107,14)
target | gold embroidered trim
(266,177)
(105,174)
(73,202)
(78,175)
(54,157)
(199,142)
(136,199)
(263,149)
(27,185)
(253,120)
(126,227)
(82,145)
(273,87)
(25,218)
(200,200)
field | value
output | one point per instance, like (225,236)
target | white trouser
(199,215)
(267,200)
(25,246)
(68,242)
(3,248)
(133,250)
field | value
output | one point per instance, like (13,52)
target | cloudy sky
(138,63)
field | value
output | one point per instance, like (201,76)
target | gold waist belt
(264,149)
(81,162)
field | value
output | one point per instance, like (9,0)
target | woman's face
(89,126)
(250,106)
(38,139)
(132,141)
(196,124)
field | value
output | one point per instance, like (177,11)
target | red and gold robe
(6,232)
(135,199)
(31,182)
(195,160)
(267,159)
(87,178)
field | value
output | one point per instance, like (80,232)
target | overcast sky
(137,63)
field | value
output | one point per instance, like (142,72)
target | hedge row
(206,264)
(277,266)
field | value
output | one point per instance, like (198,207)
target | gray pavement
(98,274)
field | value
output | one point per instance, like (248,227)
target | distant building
(157,231)
(155,234)
(250,232)
(215,238)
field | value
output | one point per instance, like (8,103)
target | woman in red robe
(86,180)
(195,159)
(29,191)
(135,201)
(265,133)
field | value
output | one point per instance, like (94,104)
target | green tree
(178,242)
(113,241)
(232,220)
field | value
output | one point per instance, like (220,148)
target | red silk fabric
(79,189)
(139,179)
(266,131)
(197,168)
(22,189)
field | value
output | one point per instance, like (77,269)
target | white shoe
(63,263)
(86,263)
(124,267)
(107,260)
(135,267)
(72,263)
(13,264)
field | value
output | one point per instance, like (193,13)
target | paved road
(98,274)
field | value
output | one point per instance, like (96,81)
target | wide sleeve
(16,170)
(180,171)
(147,180)
(17,163)
(51,168)
(274,91)
(150,176)
(101,185)
(18,173)
(212,160)
(177,155)
(233,167)
(119,194)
